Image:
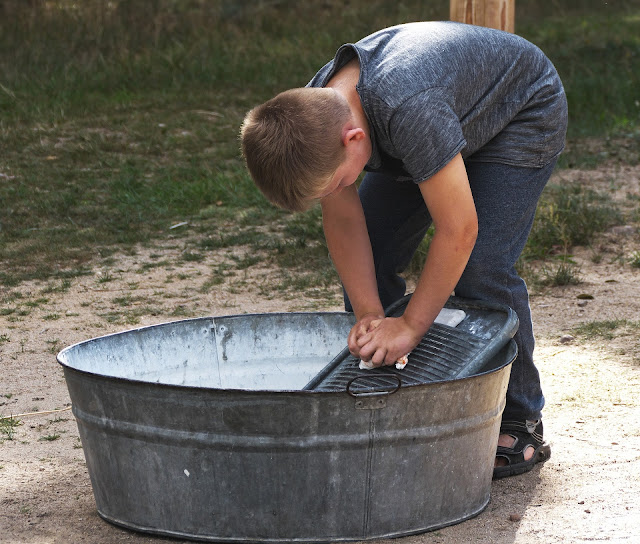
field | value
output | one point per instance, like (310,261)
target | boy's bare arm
(450,203)
(348,241)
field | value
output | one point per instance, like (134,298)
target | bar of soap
(450,317)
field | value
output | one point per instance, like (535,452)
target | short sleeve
(426,133)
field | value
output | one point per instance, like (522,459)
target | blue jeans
(506,198)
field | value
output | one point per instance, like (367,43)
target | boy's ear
(352,134)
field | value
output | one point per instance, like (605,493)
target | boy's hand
(387,340)
(362,327)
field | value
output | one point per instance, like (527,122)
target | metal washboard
(444,353)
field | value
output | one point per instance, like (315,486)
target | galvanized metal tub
(201,429)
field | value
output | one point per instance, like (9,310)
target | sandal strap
(524,437)
(534,429)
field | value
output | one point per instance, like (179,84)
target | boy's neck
(344,82)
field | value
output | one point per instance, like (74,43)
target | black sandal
(516,463)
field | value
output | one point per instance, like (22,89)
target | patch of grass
(182,311)
(126,300)
(62,287)
(605,329)
(50,437)
(295,283)
(214,279)
(247,261)
(564,272)
(217,277)
(151,265)
(129,300)
(567,216)
(235,237)
(8,426)
(105,277)
(16,314)
(310,262)
(634,260)
(73,273)
(130,316)
(305,226)
(191,257)
(36,303)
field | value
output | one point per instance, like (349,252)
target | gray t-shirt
(431,90)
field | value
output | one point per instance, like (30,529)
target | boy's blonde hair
(293,144)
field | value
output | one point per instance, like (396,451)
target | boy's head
(293,144)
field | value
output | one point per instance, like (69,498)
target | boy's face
(357,156)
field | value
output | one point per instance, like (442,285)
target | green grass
(49,437)
(595,46)
(120,119)
(8,427)
(569,215)
(561,273)
(606,329)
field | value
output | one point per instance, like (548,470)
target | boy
(455,125)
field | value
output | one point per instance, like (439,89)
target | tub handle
(374,393)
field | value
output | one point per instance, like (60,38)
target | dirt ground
(588,491)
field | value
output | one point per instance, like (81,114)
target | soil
(588,491)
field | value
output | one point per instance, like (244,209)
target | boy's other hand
(386,340)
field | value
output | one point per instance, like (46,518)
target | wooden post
(498,14)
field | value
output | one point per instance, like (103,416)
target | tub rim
(509,352)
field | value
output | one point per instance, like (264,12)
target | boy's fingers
(355,336)
(366,335)
(379,357)
(354,348)
(363,340)
(371,351)
(365,327)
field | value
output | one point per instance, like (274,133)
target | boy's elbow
(466,235)
(471,232)
(460,233)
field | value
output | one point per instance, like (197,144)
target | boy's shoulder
(431,49)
